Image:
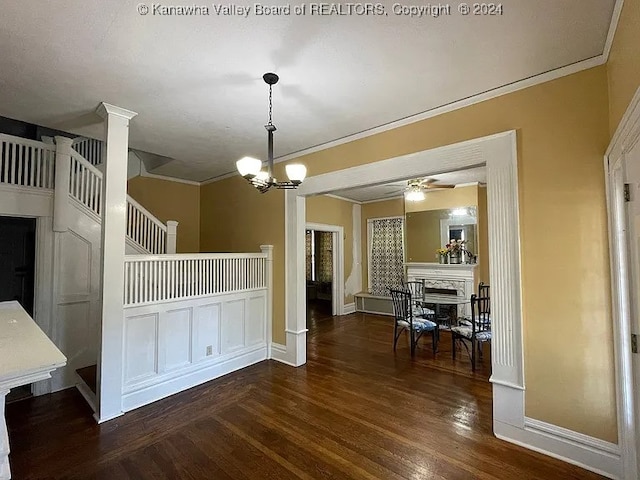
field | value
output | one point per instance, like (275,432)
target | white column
(172,236)
(61,192)
(268,250)
(5,471)
(114,195)
(296,315)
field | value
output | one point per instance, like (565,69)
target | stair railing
(85,183)
(26,163)
(144,229)
(89,148)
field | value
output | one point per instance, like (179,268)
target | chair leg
(473,354)
(453,344)
(434,339)
(413,342)
(395,336)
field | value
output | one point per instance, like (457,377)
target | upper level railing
(26,163)
(29,163)
(159,278)
(89,148)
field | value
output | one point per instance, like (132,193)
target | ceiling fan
(417,186)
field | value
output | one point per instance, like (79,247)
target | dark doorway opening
(319,272)
(17,272)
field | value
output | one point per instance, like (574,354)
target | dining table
(439,299)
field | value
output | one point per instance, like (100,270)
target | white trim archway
(499,154)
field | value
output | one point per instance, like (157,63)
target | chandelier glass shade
(251,168)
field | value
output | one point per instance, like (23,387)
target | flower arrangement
(442,251)
(456,247)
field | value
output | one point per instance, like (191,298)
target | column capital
(106,109)
(172,223)
(63,141)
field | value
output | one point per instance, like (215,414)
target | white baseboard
(576,448)
(279,354)
(349,308)
(189,379)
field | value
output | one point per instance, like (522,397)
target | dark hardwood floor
(355,410)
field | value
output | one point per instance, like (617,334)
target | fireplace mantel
(460,278)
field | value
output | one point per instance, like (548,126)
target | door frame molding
(627,135)
(337,287)
(26,203)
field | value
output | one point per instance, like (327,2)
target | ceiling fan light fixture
(415,195)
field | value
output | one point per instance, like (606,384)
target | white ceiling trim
(613,27)
(482,97)
(467,102)
(338,197)
(395,197)
(144,173)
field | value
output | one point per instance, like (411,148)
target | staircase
(31,164)
(68,306)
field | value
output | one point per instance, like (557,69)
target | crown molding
(613,27)
(386,199)
(467,102)
(450,107)
(344,199)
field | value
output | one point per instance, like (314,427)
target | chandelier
(251,168)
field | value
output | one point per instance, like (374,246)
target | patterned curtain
(324,241)
(308,255)
(387,255)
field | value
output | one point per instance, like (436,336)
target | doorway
(17,260)
(17,272)
(319,275)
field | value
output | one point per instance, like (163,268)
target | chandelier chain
(270,104)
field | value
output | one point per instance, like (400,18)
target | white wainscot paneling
(172,346)
(255,329)
(207,331)
(140,348)
(233,325)
(75,269)
(175,339)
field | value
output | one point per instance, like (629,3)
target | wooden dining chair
(416,289)
(473,333)
(483,290)
(405,320)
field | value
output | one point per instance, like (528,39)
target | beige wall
(333,211)
(235,217)
(562,132)
(483,238)
(386,208)
(169,200)
(623,66)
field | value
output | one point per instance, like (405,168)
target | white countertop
(25,351)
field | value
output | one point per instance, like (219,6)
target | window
(386,254)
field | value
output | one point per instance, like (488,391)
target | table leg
(5,471)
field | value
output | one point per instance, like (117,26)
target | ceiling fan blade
(438,185)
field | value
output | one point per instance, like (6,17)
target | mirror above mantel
(428,230)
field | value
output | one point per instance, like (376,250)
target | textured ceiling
(396,189)
(196,81)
